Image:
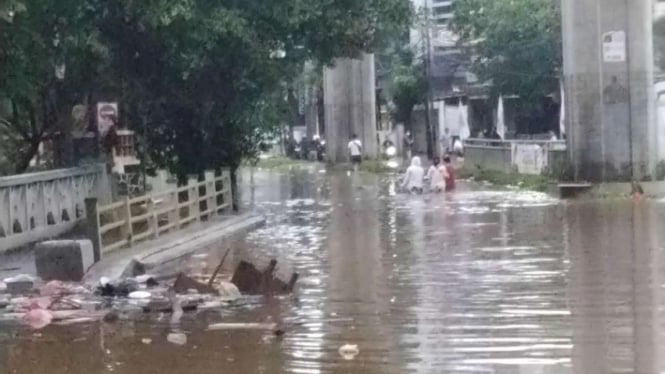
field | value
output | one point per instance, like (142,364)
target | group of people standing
(441,177)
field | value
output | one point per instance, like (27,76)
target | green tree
(659,42)
(225,67)
(47,50)
(407,86)
(204,81)
(516,44)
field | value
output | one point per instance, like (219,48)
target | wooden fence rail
(132,220)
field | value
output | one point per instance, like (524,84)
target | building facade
(449,74)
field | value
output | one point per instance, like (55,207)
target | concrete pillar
(350,106)
(64,260)
(612,132)
(311,119)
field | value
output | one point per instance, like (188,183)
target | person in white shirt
(408,145)
(436,175)
(458,148)
(356,151)
(413,179)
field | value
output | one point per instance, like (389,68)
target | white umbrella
(562,115)
(500,120)
(464,131)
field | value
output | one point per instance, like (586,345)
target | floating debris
(348,351)
(250,280)
(242,326)
(19,284)
(75,321)
(177,338)
(139,295)
(120,288)
(37,319)
(184,283)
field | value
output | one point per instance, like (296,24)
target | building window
(443,10)
(127,145)
(442,21)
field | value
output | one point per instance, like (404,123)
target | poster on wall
(529,158)
(614,46)
(107,114)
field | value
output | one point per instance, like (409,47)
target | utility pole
(427,72)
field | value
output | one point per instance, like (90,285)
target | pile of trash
(36,304)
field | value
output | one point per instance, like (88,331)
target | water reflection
(472,282)
(615,288)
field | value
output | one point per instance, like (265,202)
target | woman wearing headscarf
(413,179)
(437,175)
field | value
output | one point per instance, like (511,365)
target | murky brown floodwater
(473,282)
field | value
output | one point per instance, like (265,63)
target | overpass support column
(609,85)
(349,95)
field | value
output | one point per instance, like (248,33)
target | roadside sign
(614,46)
(106,114)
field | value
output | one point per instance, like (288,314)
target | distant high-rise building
(659,9)
(449,62)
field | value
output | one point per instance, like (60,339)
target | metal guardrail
(132,220)
(527,156)
(500,143)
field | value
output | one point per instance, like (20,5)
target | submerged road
(482,280)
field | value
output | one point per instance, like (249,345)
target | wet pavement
(482,280)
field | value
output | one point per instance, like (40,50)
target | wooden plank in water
(569,190)
(575,185)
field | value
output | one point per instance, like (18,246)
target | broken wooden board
(252,281)
(184,283)
(242,326)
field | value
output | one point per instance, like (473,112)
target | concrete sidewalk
(173,246)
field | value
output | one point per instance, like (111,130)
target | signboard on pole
(107,114)
(614,46)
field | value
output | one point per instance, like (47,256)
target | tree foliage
(204,81)
(37,38)
(659,42)
(407,85)
(516,44)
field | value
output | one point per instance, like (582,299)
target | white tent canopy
(464,130)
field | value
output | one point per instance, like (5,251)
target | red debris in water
(37,318)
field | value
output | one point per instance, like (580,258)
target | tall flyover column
(609,86)
(349,97)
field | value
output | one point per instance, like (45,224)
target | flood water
(482,280)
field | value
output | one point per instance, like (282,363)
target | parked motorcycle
(321,150)
(389,155)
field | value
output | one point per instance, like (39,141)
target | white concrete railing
(131,220)
(524,156)
(43,205)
